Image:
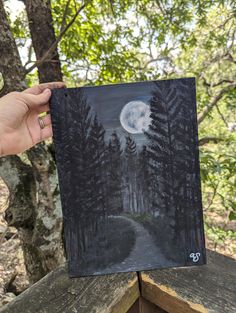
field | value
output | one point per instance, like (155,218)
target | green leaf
(232,216)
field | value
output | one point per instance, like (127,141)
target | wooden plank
(134,308)
(148,307)
(200,289)
(57,293)
(144,306)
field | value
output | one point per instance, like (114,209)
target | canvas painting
(128,165)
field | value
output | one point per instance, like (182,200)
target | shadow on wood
(199,289)
(144,306)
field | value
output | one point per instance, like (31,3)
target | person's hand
(20,125)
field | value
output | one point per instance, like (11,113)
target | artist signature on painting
(195,256)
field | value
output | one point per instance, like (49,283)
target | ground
(13,279)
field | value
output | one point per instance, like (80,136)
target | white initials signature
(195,256)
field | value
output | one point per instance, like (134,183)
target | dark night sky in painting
(108,105)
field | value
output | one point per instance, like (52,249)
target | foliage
(219,235)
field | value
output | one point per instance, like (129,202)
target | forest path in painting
(144,249)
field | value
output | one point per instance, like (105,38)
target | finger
(46,120)
(35,101)
(42,108)
(40,88)
(46,132)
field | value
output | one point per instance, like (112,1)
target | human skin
(19,113)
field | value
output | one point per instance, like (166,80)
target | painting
(128,165)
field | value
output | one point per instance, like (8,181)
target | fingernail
(47,90)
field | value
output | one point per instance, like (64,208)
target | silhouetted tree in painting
(97,170)
(86,137)
(130,176)
(144,181)
(160,156)
(172,150)
(186,169)
(78,133)
(114,175)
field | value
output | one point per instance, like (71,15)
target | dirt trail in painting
(144,250)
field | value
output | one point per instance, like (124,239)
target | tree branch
(203,141)
(54,45)
(10,63)
(202,115)
(63,23)
(221,115)
(218,83)
(30,52)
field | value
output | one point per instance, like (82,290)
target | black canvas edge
(204,256)
(123,83)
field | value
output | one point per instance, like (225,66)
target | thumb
(33,101)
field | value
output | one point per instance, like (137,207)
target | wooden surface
(57,293)
(144,306)
(207,288)
(147,307)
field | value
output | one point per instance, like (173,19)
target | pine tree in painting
(130,176)
(172,149)
(144,182)
(114,175)
(79,124)
(160,157)
(186,180)
(97,172)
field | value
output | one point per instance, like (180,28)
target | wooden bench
(207,288)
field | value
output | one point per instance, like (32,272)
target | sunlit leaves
(106,29)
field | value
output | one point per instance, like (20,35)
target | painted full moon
(135,117)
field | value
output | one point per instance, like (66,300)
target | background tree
(112,41)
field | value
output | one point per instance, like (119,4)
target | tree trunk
(46,240)
(43,36)
(35,209)
(10,63)
(48,233)
(47,236)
